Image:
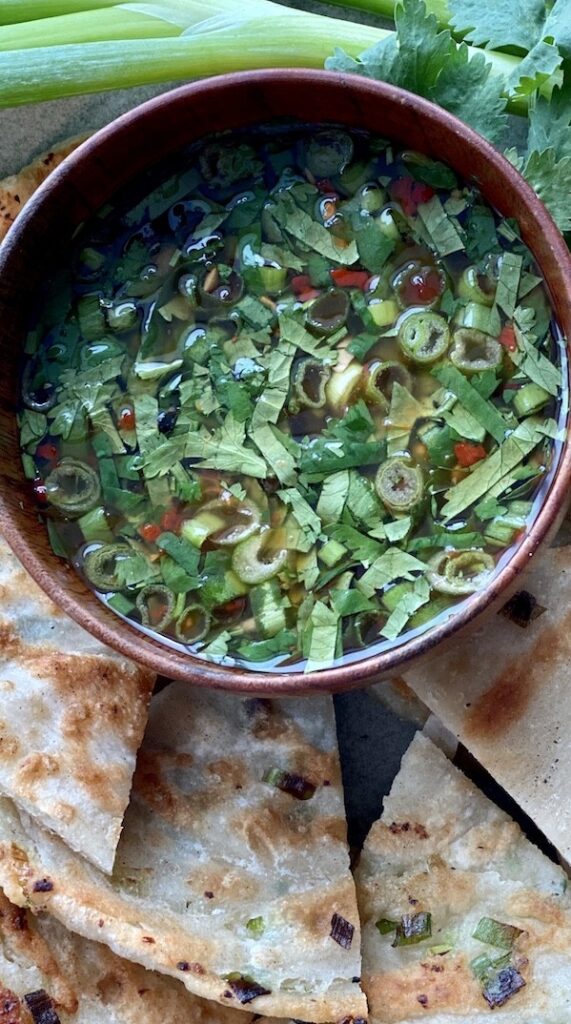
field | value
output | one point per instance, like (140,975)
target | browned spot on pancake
(103,785)
(267,830)
(99,695)
(393,996)
(9,745)
(497,710)
(154,785)
(398,827)
(63,812)
(230,772)
(109,988)
(9,639)
(271,829)
(35,768)
(218,882)
(314,912)
(21,941)
(10,1007)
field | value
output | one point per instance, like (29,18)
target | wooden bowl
(89,178)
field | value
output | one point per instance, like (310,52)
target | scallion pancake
(505,693)
(51,976)
(17,189)
(443,849)
(232,873)
(72,716)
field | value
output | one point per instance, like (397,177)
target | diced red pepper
(126,420)
(468,454)
(171,520)
(40,491)
(325,186)
(233,609)
(48,451)
(303,288)
(410,193)
(507,338)
(350,278)
(149,532)
(421,287)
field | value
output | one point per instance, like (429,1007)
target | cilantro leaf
(278,457)
(551,179)
(294,333)
(350,602)
(362,501)
(406,607)
(482,410)
(534,364)
(499,24)
(542,61)
(508,282)
(558,26)
(264,650)
(429,62)
(217,649)
(467,88)
(374,248)
(323,456)
(435,174)
(323,630)
(333,496)
(392,565)
(363,549)
(300,225)
(490,472)
(481,237)
(225,449)
(550,122)
(361,344)
(303,513)
(181,551)
(489,508)
(440,228)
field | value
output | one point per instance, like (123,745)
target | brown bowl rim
(133,643)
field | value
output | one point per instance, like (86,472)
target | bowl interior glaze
(140,139)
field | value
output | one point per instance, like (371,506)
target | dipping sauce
(294,400)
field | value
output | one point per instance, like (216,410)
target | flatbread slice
(72,717)
(18,188)
(505,693)
(442,848)
(232,873)
(51,976)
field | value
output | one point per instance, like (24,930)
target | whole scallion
(82,49)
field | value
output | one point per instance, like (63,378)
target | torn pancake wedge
(72,716)
(232,873)
(464,920)
(505,693)
(17,189)
(51,976)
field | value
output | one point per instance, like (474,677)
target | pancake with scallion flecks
(51,976)
(232,873)
(72,717)
(504,692)
(464,920)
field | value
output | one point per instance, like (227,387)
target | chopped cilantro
(374,247)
